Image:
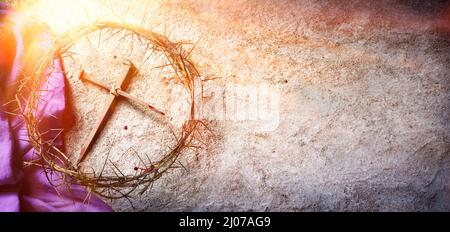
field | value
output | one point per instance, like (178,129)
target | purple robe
(22,42)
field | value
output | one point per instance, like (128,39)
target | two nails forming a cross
(116,91)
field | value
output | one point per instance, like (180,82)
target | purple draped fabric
(22,42)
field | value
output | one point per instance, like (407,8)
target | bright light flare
(62,15)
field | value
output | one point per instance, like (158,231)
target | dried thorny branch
(118,185)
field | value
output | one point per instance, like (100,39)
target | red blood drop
(125,127)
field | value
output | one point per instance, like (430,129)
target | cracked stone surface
(363,121)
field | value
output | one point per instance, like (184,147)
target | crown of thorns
(117,185)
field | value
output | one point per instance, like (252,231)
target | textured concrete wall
(364,117)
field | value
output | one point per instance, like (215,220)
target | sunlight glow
(62,15)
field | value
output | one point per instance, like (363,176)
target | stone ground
(364,108)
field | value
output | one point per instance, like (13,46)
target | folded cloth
(22,42)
